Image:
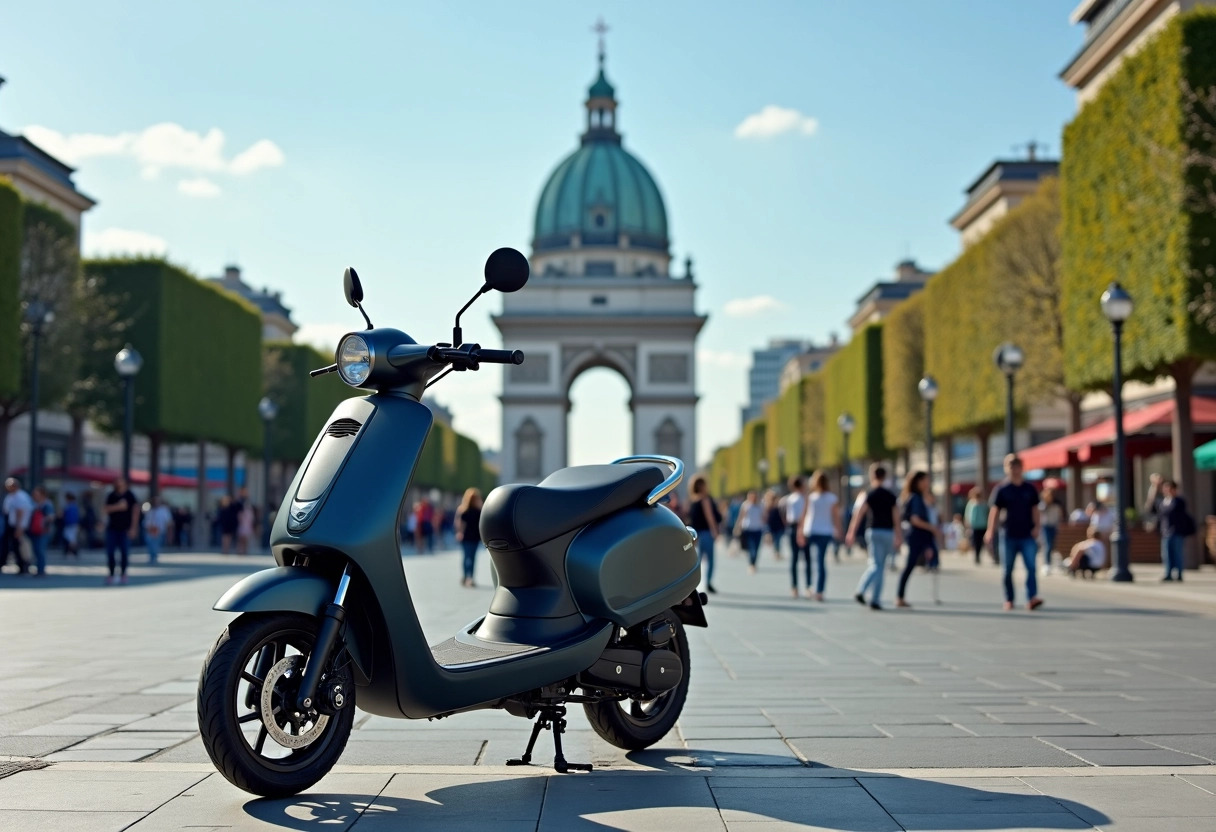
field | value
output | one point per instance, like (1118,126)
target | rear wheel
(250,726)
(639,722)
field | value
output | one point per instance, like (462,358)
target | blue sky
(409,140)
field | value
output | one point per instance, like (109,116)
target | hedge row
(853,384)
(10,288)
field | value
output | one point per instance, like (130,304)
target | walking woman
(749,528)
(922,534)
(774,520)
(468,531)
(706,520)
(976,515)
(819,526)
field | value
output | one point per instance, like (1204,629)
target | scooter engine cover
(662,670)
(632,565)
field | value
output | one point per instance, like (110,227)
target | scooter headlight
(354,360)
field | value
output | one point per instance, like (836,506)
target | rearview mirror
(352,287)
(506,271)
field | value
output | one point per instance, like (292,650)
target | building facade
(885,295)
(764,377)
(276,318)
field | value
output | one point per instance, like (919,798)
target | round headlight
(354,360)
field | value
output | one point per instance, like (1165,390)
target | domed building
(601,295)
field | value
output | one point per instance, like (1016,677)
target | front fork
(331,627)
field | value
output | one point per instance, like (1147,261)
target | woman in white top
(749,528)
(820,525)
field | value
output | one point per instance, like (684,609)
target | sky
(802,148)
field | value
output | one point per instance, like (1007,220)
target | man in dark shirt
(882,537)
(1173,522)
(1019,500)
(122,525)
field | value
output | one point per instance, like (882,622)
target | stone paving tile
(1207,782)
(47,821)
(188,752)
(454,802)
(99,755)
(416,752)
(65,790)
(154,740)
(1054,729)
(1111,800)
(909,795)
(35,746)
(931,730)
(1025,822)
(823,731)
(926,752)
(58,729)
(165,722)
(1138,757)
(1202,745)
(336,802)
(629,801)
(708,732)
(850,807)
(741,753)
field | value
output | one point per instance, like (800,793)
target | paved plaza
(1096,711)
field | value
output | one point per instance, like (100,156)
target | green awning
(1205,456)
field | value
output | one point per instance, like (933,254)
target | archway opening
(600,423)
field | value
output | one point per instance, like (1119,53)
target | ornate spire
(601,98)
(601,29)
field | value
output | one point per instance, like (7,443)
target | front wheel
(250,726)
(637,723)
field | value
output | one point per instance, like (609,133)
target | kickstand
(552,717)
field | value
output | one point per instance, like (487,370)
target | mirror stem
(457,333)
(366,319)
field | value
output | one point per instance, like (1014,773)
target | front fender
(281,589)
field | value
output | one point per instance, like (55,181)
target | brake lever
(332,368)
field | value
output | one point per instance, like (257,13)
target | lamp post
(267,409)
(1117,307)
(37,315)
(1009,359)
(846,424)
(128,362)
(762,467)
(780,466)
(928,393)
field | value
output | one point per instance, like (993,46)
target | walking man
(122,526)
(1019,501)
(18,508)
(882,536)
(799,550)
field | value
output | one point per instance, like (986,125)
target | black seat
(520,516)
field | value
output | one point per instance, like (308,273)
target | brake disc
(278,706)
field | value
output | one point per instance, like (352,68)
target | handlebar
(502,356)
(469,356)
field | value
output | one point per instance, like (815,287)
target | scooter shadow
(676,795)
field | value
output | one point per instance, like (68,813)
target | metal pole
(128,428)
(929,442)
(1009,413)
(266,483)
(1120,538)
(34,473)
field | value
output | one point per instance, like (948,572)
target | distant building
(441,412)
(998,190)
(885,295)
(764,378)
(1115,29)
(41,177)
(276,318)
(805,363)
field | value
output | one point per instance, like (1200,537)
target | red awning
(105,476)
(1147,426)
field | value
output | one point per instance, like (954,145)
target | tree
(11,211)
(853,383)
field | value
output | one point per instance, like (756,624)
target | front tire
(638,723)
(291,753)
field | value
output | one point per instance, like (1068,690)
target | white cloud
(754,307)
(773,121)
(723,359)
(112,241)
(159,147)
(201,187)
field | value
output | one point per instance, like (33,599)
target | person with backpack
(41,520)
(1174,523)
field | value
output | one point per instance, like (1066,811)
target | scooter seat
(520,516)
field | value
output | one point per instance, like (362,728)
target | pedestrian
(1102,520)
(17,507)
(468,531)
(732,525)
(774,521)
(882,534)
(70,518)
(1087,556)
(975,516)
(40,528)
(90,523)
(800,550)
(228,518)
(749,528)
(245,519)
(1174,523)
(424,529)
(921,532)
(672,501)
(706,519)
(1018,502)
(1051,514)
(157,520)
(819,526)
(122,526)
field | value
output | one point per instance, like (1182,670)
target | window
(95,458)
(599,300)
(668,438)
(601,268)
(528,450)
(599,220)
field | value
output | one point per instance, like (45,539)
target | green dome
(601,88)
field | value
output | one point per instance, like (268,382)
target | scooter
(596,580)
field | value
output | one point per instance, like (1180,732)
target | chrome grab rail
(666,486)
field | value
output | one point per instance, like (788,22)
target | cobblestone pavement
(1096,711)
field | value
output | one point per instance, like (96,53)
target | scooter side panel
(632,565)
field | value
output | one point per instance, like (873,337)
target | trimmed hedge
(11,221)
(202,349)
(1124,187)
(305,404)
(903,364)
(852,383)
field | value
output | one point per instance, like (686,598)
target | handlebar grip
(501,356)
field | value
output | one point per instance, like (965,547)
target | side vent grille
(343,428)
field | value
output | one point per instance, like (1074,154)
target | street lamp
(37,315)
(1117,307)
(128,362)
(928,393)
(762,467)
(1009,359)
(267,409)
(846,424)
